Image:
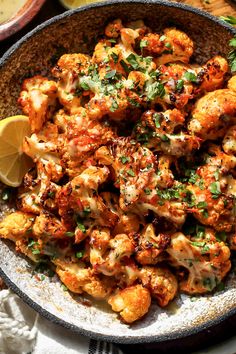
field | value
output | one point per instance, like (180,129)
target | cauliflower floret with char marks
(150,245)
(132,303)
(16,225)
(161,282)
(206,259)
(79,279)
(38,100)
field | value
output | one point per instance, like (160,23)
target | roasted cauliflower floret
(48,227)
(44,147)
(132,303)
(150,246)
(79,279)
(212,114)
(133,167)
(79,198)
(112,30)
(205,258)
(16,225)
(107,253)
(161,282)
(68,71)
(212,74)
(38,100)
(229,141)
(172,46)
(213,203)
(153,131)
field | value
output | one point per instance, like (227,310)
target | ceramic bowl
(37,52)
(21,18)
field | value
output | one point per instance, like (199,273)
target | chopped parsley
(147,191)
(132,60)
(215,189)
(190,76)
(114,105)
(115,57)
(131,173)
(143,43)
(110,74)
(81,226)
(155,90)
(157,118)
(232,54)
(179,85)
(79,254)
(124,159)
(231,20)
(69,234)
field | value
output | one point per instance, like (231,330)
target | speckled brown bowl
(21,18)
(74,31)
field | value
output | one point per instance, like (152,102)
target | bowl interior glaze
(77,31)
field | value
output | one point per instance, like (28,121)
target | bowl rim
(49,316)
(16,23)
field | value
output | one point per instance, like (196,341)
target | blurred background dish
(15,14)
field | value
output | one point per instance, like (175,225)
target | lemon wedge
(13,162)
(73,4)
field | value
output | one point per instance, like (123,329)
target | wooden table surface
(219,332)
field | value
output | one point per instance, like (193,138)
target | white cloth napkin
(23,331)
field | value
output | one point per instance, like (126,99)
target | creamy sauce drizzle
(8,8)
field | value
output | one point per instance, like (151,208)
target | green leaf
(124,159)
(147,191)
(110,74)
(232,54)
(215,189)
(79,254)
(69,234)
(154,90)
(81,227)
(124,66)
(231,20)
(179,85)
(200,231)
(131,173)
(84,86)
(143,43)
(114,106)
(201,205)
(132,60)
(115,57)
(190,76)
(157,118)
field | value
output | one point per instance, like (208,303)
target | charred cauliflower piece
(172,46)
(79,279)
(38,100)
(150,246)
(161,282)
(79,198)
(212,114)
(16,225)
(213,200)
(155,131)
(68,71)
(132,303)
(48,227)
(206,260)
(133,167)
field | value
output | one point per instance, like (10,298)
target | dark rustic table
(215,334)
